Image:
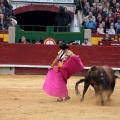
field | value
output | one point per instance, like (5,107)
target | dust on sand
(22,98)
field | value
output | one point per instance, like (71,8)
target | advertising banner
(46,1)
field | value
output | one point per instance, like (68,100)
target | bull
(101,78)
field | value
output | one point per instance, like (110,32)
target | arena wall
(34,59)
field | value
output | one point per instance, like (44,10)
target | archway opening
(36,18)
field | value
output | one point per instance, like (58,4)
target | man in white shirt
(86,42)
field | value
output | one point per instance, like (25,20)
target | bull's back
(111,77)
(110,73)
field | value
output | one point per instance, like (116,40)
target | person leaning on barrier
(23,40)
(107,37)
(86,42)
(37,42)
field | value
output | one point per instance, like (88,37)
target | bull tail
(76,86)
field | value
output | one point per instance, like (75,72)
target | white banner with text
(46,1)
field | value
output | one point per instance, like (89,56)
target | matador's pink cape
(55,82)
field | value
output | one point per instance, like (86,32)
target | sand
(22,98)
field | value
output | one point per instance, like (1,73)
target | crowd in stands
(6,15)
(101,16)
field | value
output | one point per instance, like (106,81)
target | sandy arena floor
(22,98)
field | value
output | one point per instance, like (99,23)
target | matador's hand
(50,67)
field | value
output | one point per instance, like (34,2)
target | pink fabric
(55,82)
(73,65)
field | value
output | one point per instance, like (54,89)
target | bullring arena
(22,98)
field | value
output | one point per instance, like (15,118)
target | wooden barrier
(98,37)
(43,55)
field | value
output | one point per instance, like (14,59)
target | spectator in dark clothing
(91,2)
(116,16)
(99,21)
(92,9)
(68,20)
(5,11)
(6,4)
(113,4)
(9,6)
(83,3)
(100,10)
(78,6)
(117,8)
(60,19)
(117,26)
(86,9)
(107,37)
(108,21)
(104,26)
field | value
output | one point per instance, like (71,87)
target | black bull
(101,78)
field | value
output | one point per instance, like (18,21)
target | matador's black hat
(63,46)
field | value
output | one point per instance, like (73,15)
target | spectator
(95,2)
(117,26)
(92,9)
(106,37)
(113,4)
(86,9)
(99,21)
(37,42)
(117,8)
(100,29)
(108,22)
(86,42)
(116,16)
(106,9)
(68,20)
(83,3)
(6,4)
(23,40)
(91,25)
(60,19)
(7,13)
(112,24)
(111,30)
(96,10)
(91,2)
(104,2)
(100,10)
(111,13)
(90,15)
(116,38)
(78,6)
(104,27)
(12,22)
(1,20)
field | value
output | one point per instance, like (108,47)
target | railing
(58,33)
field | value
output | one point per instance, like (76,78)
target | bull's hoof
(77,92)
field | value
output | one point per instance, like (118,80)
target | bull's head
(93,73)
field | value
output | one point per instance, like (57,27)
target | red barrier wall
(32,54)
